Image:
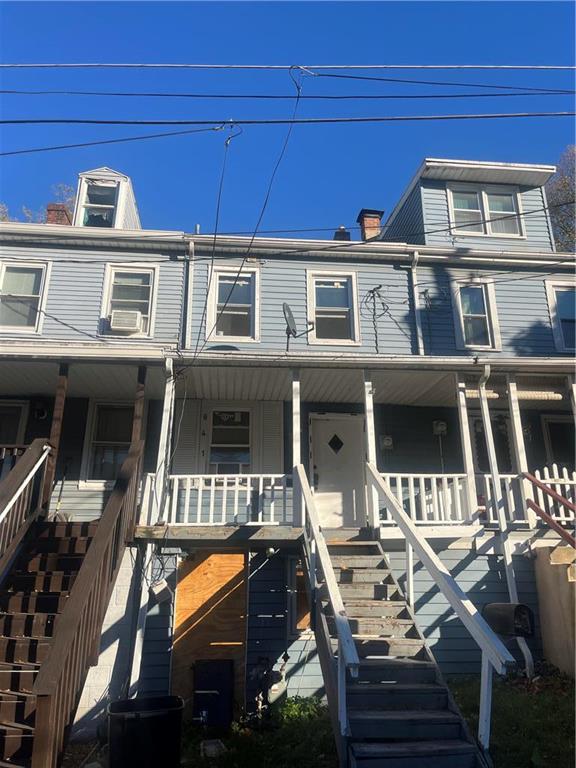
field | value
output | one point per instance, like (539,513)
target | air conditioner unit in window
(126,321)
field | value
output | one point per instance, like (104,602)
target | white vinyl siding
(22,294)
(476,315)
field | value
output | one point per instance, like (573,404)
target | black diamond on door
(335,443)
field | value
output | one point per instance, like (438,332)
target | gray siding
(158,634)
(408,224)
(536,225)
(75,292)
(482,577)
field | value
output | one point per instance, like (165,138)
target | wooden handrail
(550,492)
(554,524)
(490,644)
(76,643)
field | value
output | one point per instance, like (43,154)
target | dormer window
(491,211)
(99,204)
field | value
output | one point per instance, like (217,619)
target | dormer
(474,205)
(105,199)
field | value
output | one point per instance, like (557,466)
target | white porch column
(164,443)
(500,512)
(519,448)
(296,448)
(571,381)
(372,495)
(467,455)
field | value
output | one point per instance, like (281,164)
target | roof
(104,171)
(525,174)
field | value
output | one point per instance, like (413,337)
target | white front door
(338,456)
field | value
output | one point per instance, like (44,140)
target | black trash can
(145,732)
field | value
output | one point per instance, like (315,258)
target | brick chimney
(370,221)
(57,213)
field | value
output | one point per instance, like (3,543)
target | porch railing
(9,455)
(321,574)
(429,499)
(76,643)
(222,500)
(495,655)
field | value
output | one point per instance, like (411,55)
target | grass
(532,722)
(296,734)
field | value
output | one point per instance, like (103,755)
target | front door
(338,456)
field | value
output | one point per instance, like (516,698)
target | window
(484,211)
(476,318)
(99,204)
(233,307)
(129,303)
(13,417)
(331,300)
(562,306)
(21,296)
(230,443)
(559,440)
(111,433)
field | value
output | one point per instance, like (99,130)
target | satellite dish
(291,329)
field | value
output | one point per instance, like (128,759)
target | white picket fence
(561,480)
(429,499)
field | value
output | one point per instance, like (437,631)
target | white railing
(319,566)
(495,655)
(220,500)
(563,482)
(429,499)
(510,494)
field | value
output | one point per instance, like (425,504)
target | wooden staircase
(400,711)
(32,598)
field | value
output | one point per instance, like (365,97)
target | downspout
(186,313)
(498,502)
(416,303)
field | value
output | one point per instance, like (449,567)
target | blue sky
(329,172)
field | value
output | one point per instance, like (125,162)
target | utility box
(509,619)
(213,698)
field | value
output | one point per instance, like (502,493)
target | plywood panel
(210,618)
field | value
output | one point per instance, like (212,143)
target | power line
(286,121)
(286,67)
(518,91)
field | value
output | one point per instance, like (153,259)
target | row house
(324,457)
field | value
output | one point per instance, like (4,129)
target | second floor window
(100,205)
(129,306)
(230,443)
(475,315)
(562,306)
(332,308)
(21,290)
(234,305)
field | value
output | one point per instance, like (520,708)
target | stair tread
(438,715)
(13,765)
(360,687)
(20,665)
(20,726)
(412,748)
(417,663)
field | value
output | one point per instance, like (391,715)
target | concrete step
(18,678)
(62,529)
(401,725)
(43,581)
(363,575)
(50,562)
(61,546)
(348,548)
(16,740)
(17,707)
(370,647)
(397,670)
(397,696)
(359,561)
(33,602)
(28,624)
(24,649)
(383,627)
(453,753)
(370,592)
(376,608)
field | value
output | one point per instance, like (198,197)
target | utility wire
(518,91)
(289,67)
(285,121)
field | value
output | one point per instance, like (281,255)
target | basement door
(337,457)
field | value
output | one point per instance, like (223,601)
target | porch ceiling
(26,379)
(414,388)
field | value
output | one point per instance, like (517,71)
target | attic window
(481,211)
(99,204)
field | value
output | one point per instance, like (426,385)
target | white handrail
(24,484)
(499,656)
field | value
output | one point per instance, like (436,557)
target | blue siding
(408,224)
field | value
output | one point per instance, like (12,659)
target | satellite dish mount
(291,330)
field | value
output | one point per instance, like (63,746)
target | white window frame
(46,267)
(311,277)
(549,418)
(212,308)
(85,480)
(137,268)
(209,413)
(24,406)
(483,191)
(551,287)
(83,202)
(491,314)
